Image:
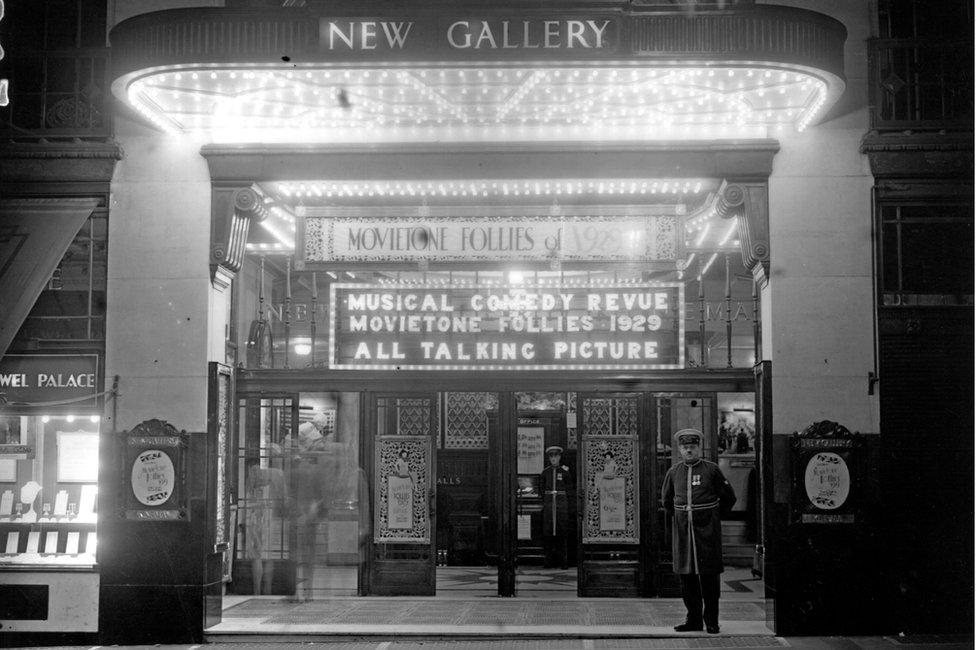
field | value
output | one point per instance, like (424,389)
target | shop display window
(48,490)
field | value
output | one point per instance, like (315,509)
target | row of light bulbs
(71,418)
(518,284)
(309,189)
(570,97)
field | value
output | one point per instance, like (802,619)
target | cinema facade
(395,253)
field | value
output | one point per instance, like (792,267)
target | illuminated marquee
(507,327)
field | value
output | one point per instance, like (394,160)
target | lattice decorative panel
(627,416)
(611,416)
(394,454)
(610,500)
(466,419)
(413,417)
(598,417)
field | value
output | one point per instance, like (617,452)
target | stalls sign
(507,327)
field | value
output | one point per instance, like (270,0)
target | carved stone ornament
(154,427)
(826,429)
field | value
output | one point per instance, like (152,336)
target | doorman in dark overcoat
(695,493)
(557,486)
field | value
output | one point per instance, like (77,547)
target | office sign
(490,239)
(507,327)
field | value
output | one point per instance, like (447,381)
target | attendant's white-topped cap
(555,449)
(688,436)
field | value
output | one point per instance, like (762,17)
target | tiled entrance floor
(466,606)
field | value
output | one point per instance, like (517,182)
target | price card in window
(13,540)
(525,526)
(71,545)
(6,503)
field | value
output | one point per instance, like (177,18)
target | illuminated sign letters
(506,327)
(49,377)
(484,35)
(466,239)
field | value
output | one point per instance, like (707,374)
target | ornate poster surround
(418,457)
(624,453)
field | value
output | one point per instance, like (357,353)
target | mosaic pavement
(466,605)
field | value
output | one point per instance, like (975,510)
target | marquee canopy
(479,73)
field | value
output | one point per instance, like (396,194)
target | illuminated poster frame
(558,326)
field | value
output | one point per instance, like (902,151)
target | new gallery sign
(485,36)
(429,327)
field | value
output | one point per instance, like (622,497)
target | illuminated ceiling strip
(417,103)
(330,189)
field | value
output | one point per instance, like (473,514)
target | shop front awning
(34,235)
(480,73)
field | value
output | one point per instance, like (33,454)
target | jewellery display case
(48,521)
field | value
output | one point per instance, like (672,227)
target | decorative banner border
(507,327)
(489,239)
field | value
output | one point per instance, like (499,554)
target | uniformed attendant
(696,492)
(557,482)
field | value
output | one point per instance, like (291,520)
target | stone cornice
(924,155)
(59,162)
(57,150)
(910,142)
(248,163)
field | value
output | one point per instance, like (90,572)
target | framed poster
(531,441)
(12,447)
(77,456)
(8,470)
(10,430)
(611,503)
(824,468)
(153,473)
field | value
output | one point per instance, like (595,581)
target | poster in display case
(153,473)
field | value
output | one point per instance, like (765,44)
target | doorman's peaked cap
(688,436)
